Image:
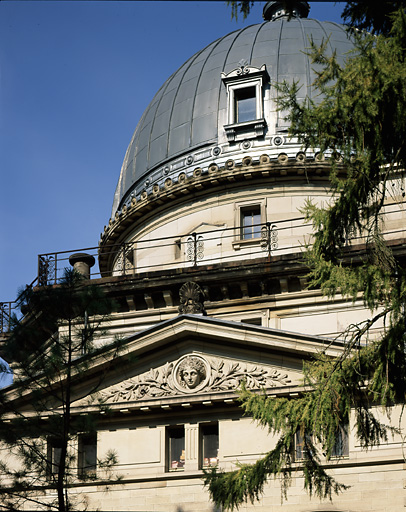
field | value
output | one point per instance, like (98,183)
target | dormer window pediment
(243,71)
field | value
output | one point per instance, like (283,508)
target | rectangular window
(176,448)
(341,447)
(245,104)
(209,445)
(251,222)
(54,453)
(87,455)
(301,445)
(245,109)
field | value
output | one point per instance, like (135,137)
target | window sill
(247,130)
(87,477)
(246,242)
(336,459)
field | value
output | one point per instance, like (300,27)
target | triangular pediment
(197,373)
(197,358)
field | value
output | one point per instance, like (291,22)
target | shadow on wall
(185,509)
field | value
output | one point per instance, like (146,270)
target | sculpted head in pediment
(191,373)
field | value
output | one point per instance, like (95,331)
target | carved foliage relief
(192,374)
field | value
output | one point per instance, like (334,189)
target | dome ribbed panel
(182,86)
(242,48)
(204,126)
(190,109)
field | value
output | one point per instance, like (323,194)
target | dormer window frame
(236,81)
(232,91)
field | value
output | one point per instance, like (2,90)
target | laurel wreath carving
(224,376)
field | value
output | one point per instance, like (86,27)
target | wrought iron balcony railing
(189,249)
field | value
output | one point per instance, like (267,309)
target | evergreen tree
(240,7)
(361,124)
(50,348)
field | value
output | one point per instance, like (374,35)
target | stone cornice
(201,180)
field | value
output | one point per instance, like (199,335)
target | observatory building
(203,256)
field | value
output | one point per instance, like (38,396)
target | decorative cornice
(211,175)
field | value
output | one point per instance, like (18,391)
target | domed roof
(186,118)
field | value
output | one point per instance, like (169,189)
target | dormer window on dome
(245,102)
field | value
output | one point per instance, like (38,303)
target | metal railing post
(124,262)
(269,236)
(56,269)
(195,248)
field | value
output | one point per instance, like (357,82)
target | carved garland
(209,376)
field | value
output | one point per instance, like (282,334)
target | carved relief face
(191,377)
(191,373)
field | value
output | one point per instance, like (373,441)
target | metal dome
(186,117)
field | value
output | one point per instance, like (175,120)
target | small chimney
(82,263)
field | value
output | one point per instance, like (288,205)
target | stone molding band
(231,171)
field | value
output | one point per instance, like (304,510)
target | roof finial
(285,8)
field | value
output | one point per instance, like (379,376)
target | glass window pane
(252,321)
(251,222)
(56,458)
(210,445)
(301,445)
(54,452)
(256,224)
(87,459)
(245,105)
(341,448)
(176,448)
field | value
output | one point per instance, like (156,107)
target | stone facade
(206,266)
(153,398)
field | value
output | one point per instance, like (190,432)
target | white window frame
(243,78)
(244,84)
(239,242)
(299,446)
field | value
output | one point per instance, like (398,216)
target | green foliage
(362,118)
(360,122)
(247,482)
(371,16)
(52,346)
(242,7)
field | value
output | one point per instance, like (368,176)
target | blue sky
(75,79)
